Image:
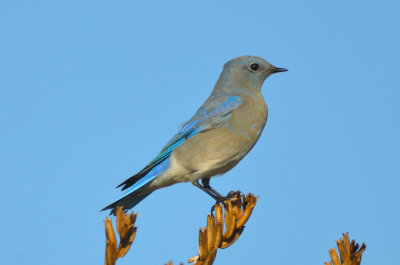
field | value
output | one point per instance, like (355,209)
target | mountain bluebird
(222,131)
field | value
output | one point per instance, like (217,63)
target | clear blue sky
(90,91)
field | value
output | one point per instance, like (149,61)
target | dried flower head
(126,230)
(237,210)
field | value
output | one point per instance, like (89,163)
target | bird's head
(248,71)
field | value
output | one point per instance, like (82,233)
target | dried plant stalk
(350,253)
(126,230)
(111,243)
(237,211)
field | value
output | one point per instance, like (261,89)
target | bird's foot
(222,199)
(233,194)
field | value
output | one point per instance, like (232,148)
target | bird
(219,135)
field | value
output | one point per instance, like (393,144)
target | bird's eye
(254,67)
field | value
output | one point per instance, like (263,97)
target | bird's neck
(227,85)
(224,88)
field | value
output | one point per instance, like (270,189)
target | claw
(222,200)
(232,194)
(213,209)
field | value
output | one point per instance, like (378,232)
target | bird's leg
(216,197)
(206,184)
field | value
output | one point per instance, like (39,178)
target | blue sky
(90,91)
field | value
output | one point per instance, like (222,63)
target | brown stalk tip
(250,203)
(229,241)
(126,230)
(110,235)
(234,214)
(126,242)
(350,253)
(202,243)
(111,243)
(193,259)
(230,223)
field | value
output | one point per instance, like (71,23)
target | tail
(126,202)
(138,186)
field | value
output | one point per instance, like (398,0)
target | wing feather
(214,113)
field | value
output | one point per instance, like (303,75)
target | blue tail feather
(166,152)
(154,172)
(126,202)
(134,194)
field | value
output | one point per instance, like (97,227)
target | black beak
(278,70)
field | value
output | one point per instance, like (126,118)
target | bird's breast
(216,151)
(248,122)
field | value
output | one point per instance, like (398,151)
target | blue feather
(154,172)
(205,119)
(145,173)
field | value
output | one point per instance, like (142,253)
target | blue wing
(214,113)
